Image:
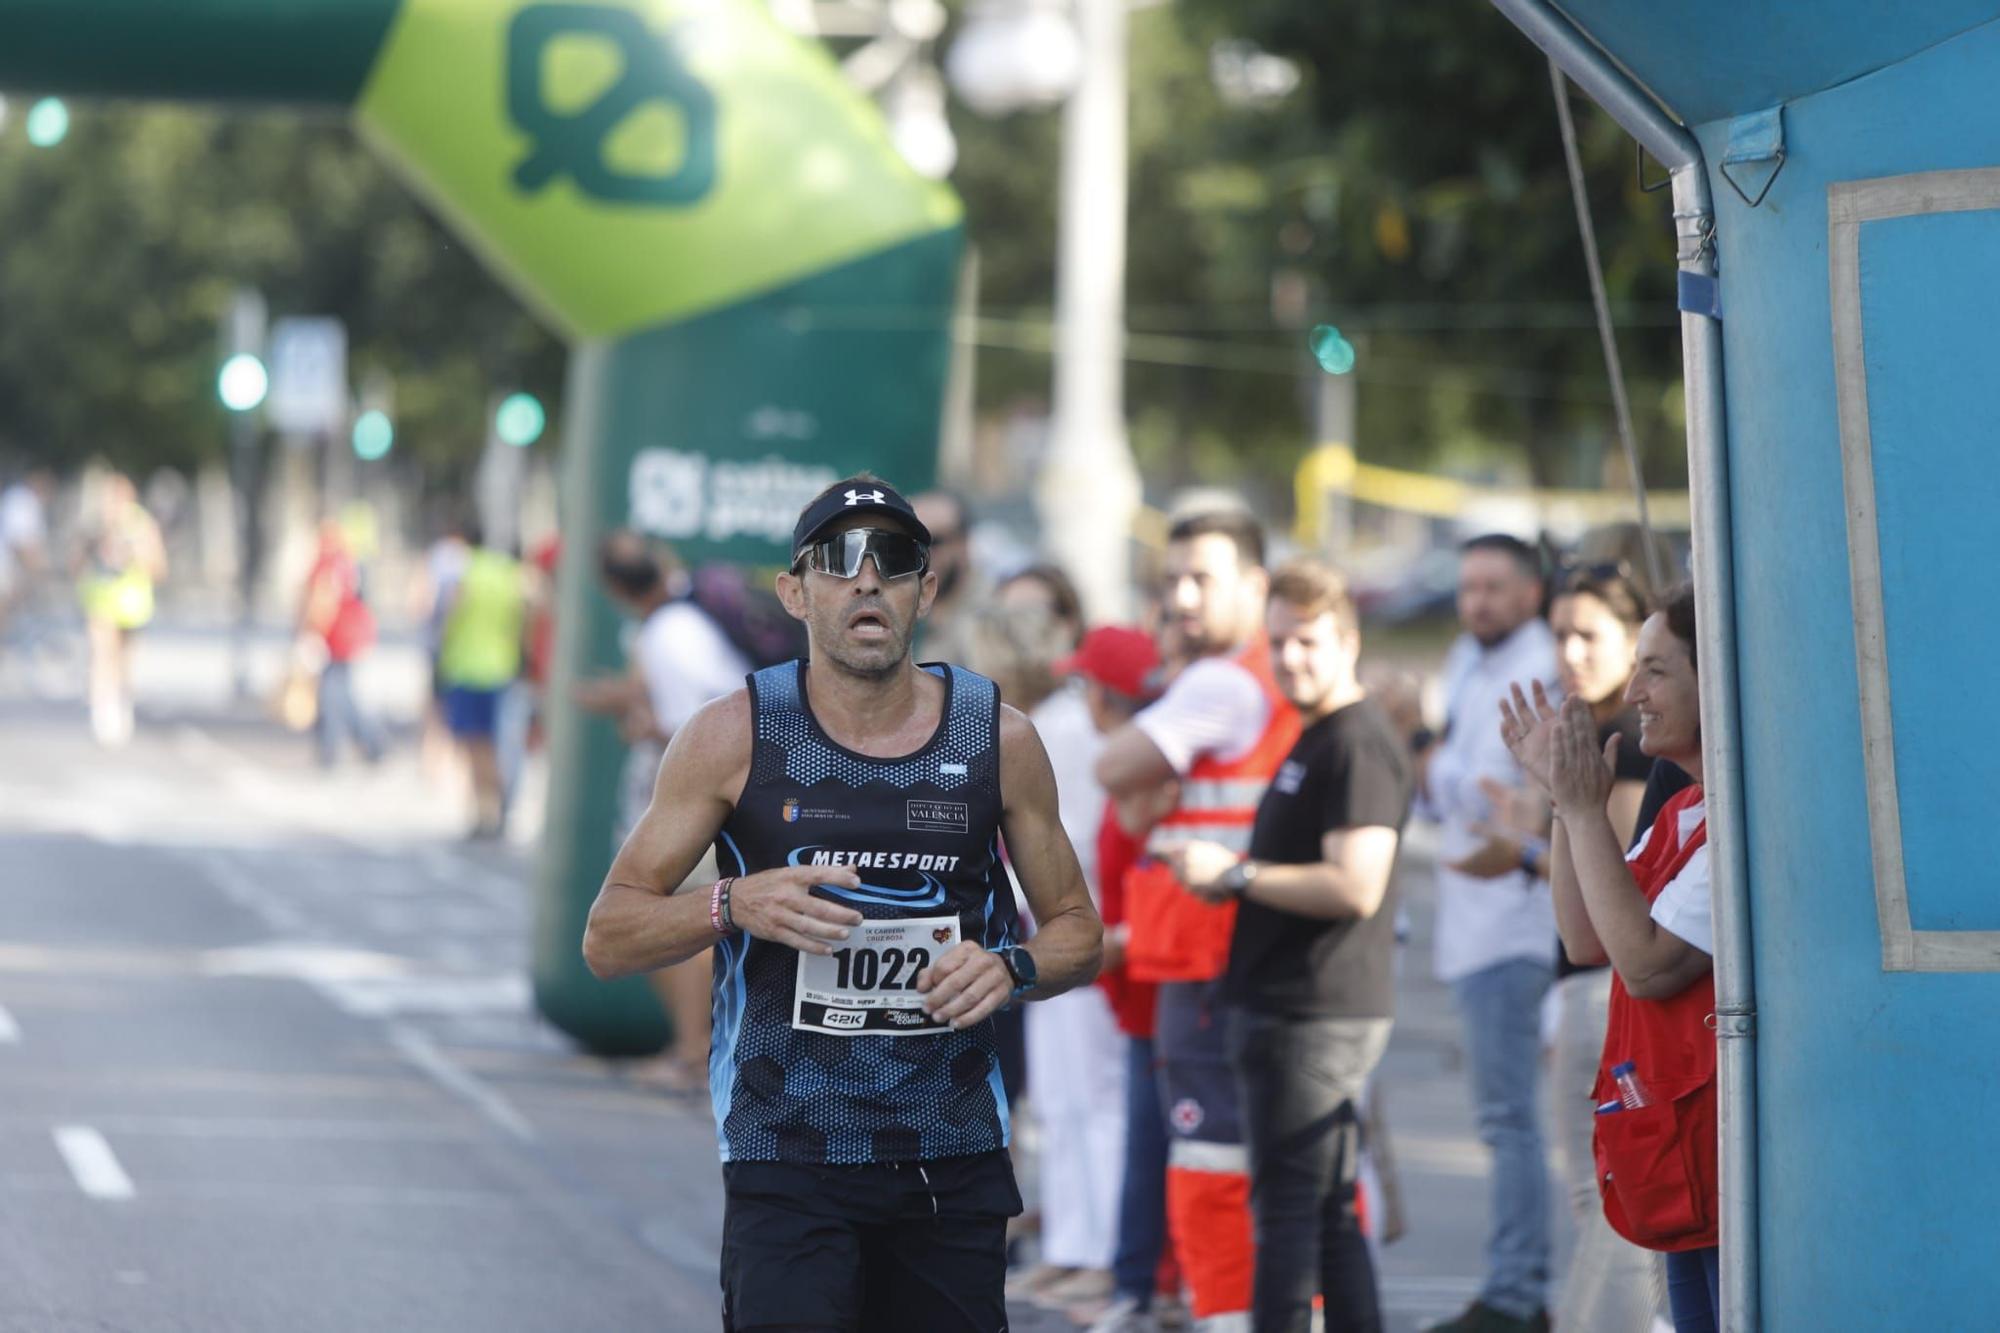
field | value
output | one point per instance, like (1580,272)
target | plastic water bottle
(1632,1089)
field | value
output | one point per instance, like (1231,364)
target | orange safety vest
(1175,936)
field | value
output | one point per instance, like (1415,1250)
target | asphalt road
(268,1059)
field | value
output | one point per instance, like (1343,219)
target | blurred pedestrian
(1220,730)
(538,667)
(1118,669)
(946,632)
(1075,1065)
(1495,941)
(1612,1284)
(24,542)
(1648,913)
(1311,984)
(430,602)
(1048,589)
(479,659)
(336,618)
(677,659)
(122,560)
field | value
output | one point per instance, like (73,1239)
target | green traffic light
(519,420)
(242,383)
(1332,350)
(374,435)
(48,122)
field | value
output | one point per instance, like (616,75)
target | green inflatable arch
(756,288)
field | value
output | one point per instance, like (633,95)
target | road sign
(308,361)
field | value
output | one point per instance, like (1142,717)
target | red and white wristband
(718,906)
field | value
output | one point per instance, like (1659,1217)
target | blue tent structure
(1838,207)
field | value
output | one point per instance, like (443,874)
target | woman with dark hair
(1048,588)
(1596,613)
(1647,913)
(1612,1286)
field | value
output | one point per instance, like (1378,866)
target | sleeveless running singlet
(831,1060)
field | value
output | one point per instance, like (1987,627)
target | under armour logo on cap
(868,497)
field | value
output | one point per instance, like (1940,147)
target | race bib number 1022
(870,983)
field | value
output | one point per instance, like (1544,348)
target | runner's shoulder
(717,738)
(1016,728)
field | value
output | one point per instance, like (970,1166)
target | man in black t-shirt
(1310,984)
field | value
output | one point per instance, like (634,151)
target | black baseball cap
(856,495)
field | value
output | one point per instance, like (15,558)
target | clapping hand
(1529,730)
(1520,819)
(1580,773)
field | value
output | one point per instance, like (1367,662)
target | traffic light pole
(246,465)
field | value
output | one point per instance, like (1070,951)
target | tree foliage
(121,248)
(1410,189)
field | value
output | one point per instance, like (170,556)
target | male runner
(864,934)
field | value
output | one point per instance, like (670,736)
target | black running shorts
(909,1247)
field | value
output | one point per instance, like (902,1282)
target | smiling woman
(1647,913)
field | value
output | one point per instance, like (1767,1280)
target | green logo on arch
(627,163)
(574,144)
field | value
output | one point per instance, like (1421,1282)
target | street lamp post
(1009,55)
(1089,492)
(242,384)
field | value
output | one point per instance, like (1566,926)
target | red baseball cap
(1122,660)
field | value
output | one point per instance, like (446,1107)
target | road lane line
(92,1162)
(419,1050)
(10,1031)
(241,887)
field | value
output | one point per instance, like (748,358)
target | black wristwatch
(1020,965)
(1239,877)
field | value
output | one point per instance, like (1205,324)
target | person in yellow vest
(122,559)
(479,660)
(1221,731)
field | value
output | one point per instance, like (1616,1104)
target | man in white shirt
(1218,736)
(1495,940)
(679,659)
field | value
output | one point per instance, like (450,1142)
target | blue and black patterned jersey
(923,833)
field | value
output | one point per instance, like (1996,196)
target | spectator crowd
(1205,1130)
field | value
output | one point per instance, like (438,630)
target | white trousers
(1613,1286)
(1076,1087)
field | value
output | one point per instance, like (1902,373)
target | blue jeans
(340,716)
(1501,1008)
(1142,1200)
(1694,1290)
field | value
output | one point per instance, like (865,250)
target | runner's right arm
(639,924)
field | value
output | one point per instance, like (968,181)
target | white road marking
(10,1031)
(92,1162)
(241,887)
(269,1128)
(418,1049)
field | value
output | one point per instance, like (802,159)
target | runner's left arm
(969,983)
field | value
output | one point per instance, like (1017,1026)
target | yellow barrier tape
(1333,468)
